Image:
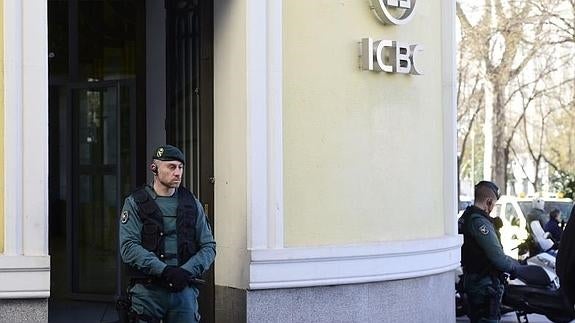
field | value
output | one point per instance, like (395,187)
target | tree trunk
(488,133)
(500,151)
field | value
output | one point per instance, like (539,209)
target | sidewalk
(511,318)
(99,312)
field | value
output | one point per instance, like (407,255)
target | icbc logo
(389,55)
(393,12)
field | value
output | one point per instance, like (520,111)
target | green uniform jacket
(146,261)
(481,229)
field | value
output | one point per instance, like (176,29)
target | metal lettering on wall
(389,55)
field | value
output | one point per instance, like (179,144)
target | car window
(566,216)
(525,206)
(563,206)
(511,214)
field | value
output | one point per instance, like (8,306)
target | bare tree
(562,18)
(543,93)
(506,38)
(470,95)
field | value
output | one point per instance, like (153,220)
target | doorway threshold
(70,311)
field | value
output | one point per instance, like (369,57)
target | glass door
(100,155)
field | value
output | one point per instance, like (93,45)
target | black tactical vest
(473,257)
(153,224)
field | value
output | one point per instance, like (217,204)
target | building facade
(320,134)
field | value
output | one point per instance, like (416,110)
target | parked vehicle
(512,211)
(536,289)
(460,300)
(537,293)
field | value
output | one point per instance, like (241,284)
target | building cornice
(337,265)
(24,277)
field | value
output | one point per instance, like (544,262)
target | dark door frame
(189,49)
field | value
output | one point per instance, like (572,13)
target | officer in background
(482,256)
(166,241)
(553,225)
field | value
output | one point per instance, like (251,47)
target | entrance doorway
(100,110)
(98,135)
(90,159)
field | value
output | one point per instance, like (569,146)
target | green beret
(169,152)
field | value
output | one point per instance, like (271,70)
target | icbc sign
(384,11)
(389,55)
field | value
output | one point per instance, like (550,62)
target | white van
(512,211)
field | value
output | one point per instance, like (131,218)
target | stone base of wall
(24,310)
(424,299)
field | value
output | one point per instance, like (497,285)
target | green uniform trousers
(156,301)
(484,295)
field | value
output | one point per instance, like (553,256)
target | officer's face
(558,216)
(490,203)
(170,173)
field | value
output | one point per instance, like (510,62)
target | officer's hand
(531,274)
(176,278)
(516,264)
(513,274)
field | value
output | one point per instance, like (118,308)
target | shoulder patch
(483,229)
(124,217)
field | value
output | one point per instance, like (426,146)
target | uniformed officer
(566,260)
(482,256)
(553,225)
(166,241)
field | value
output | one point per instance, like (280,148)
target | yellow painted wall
(2,187)
(230,143)
(363,151)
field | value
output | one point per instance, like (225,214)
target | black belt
(156,281)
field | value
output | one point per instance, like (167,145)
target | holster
(124,308)
(124,303)
(495,292)
(127,315)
